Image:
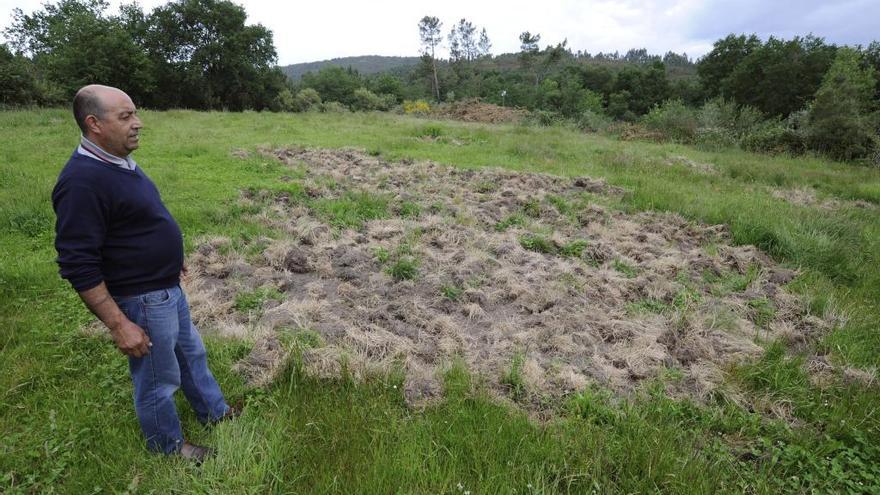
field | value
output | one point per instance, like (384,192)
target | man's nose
(137,122)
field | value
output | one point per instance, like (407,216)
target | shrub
(284,102)
(748,119)
(674,120)
(717,113)
(307,99)
(543,117)
(592,121)
(365,100)
(333,107)
(773,137)
(386,102)
(419,107)
(714,138)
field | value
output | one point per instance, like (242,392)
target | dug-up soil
(639,294)
(473,110)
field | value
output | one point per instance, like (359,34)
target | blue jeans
(177,359)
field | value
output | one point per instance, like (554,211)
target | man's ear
(93,124)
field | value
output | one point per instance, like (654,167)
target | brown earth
(644,293)
(473,110)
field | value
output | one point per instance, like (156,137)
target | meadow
(799,418)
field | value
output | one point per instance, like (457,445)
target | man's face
(117,131)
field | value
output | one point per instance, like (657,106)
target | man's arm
(130,338)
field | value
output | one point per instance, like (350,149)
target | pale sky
(324,29)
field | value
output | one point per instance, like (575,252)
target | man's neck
(100,153)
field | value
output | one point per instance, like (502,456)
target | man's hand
(131,339)
(184,272)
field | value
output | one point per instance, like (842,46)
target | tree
(872,59)
(74,43)
(334,83)
(484,45)
(840,120)
(18,86)
(529,52)
(716,67)
(429,34)
(207,57)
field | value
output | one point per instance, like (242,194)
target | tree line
(196,54)
(767,95)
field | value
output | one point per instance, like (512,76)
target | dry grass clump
(609,297)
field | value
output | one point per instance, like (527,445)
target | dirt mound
(524,277)
(473,110)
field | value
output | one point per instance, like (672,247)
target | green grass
(352,210)
(406,267)
(253,300)
(537,243)
(65,398)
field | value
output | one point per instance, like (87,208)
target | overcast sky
(324,29)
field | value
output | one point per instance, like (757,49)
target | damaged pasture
(527,278)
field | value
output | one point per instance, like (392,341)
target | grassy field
(67,421)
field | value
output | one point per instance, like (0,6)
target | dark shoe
(195,453)
(233,412)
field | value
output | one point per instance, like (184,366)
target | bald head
(92,100)
(108,118)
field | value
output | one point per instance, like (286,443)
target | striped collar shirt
(92,150)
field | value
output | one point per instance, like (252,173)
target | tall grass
(65,408)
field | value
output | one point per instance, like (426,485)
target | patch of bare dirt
(615,299)
(807,196)
(703,168)
(473,110)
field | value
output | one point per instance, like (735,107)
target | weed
(432,131)
(486,186)
(686,298)
(574,248)
(381,254)
(451,292)
(352,209)
(405,268)
(515,219)
(648,306)
(561,204)
(409,209)
(537,243)
(513,377)
(253,300)
(532,208)
(624,268)
(729,282)
(762,312)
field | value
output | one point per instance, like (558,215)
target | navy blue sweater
(112,227)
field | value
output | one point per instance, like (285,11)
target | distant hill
(366,64)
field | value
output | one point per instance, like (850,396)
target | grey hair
(85,103)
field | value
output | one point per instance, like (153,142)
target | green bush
(592,121)
(674,120)
(773,136)
(307,99)
(333,107)
(365,100)
(714,138)
(543,117)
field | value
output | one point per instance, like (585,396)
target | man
(122,251)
